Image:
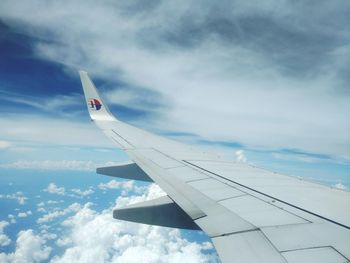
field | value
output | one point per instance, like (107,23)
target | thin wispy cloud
(264,74)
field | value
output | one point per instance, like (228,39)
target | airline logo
(95,104)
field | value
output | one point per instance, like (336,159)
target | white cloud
(83,193)
(24,214)
(58,213)
(12,218)
(341,186)
(5,145)
(41,209)
(304,157)
(240,156)
(52,188)
(202,77)
(43,130)
(51,202)
(125,186)
(97,237)
(151,192)
(55,104)
(29,248)
(21,199)
(72,165)
(4,239)
(47,235)
(63,242)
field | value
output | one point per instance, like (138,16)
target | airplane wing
(250,214)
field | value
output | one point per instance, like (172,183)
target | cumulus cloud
(58,213)
(63,242)
(97,237)
(4,239)
(151,192)
(12,218)
(79,192)
(125,186)
(24,214)
(52,188)
(19,196)
(47,235)
(29,248)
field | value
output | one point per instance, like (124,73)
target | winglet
(98,110)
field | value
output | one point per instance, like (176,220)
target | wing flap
(250,214)
(287,192)
(126,171)
(307,236)
(250,246)
(160,212)
(317,255)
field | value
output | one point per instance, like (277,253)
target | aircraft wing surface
(250,214)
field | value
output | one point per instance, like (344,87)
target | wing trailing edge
(129,171)
(162,211)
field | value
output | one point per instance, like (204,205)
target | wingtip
(82,72)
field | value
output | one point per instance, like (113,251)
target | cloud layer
(85,235)
(97,237)
(267,75)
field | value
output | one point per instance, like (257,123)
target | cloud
(258,73)
(83,193)
(54,105)
(125,186)
(52,188)
(29,248)
(50,202)
(47,235)
(240,156)
(113,184)
(44,130)
(57,165)
(64,242)
(12,218)
(72,165)
(41,209)
(5,145)
(24,214)
(97,237)
(153,191)
(4,239)
(21,199)
(341,186)
(58,213)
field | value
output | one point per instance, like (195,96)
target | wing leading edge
(250,214)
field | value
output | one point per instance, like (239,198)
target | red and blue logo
(95,104)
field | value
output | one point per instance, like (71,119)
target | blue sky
(264,83)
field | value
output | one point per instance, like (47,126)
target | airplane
(250,214)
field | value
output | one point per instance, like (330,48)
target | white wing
(250,214)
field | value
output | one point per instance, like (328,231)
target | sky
(260,82)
